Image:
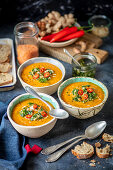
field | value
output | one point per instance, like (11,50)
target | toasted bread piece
(7,61)
(5,67)
(108,138)
(5,52)
(103,152)
(98,144)
(5,78)
(83,151)
(101,55)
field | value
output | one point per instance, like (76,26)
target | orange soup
(82,94)
(41,74)
(31,112)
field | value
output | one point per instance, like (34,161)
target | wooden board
(58,52)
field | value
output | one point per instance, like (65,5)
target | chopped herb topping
(36,116)
(84,94)
(88,71)
(25,112)
(41,74)
(31,104)
(33,112)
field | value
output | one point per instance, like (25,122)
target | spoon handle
(55,156)
(32,92)
(77,63)
(53,148)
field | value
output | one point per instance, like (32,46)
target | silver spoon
(90,129)
(76,62)
(91,132)
(58,113)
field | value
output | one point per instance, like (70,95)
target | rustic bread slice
(5,67)
(103,152)
(8,60)
(108,138)
(5,52)
(83,151)
(5,78)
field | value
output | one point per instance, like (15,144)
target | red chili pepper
(28,116)
(42,70)
(46,75)
(64,33)
(35,76)
(35,106)
(49,37)
(80,92)
(43,113)
(85,96)
(90,90)
(77,34)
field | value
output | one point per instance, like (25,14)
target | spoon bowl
(57,113)
(94,130)
(63,114)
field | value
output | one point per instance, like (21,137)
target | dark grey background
(21,10)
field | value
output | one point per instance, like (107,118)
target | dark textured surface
(65,129)
(20,10)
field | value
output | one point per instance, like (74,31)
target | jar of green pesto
(88,64)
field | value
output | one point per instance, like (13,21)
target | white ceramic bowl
(82,113)
(32,131)
(46,89)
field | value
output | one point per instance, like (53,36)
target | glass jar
(101,25)
(88,64)
(26,38)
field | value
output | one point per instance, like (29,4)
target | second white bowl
(46,89)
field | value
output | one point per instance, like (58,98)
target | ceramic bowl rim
(22,65)
(33,127)
(74,107)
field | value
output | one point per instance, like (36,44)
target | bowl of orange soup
(30,116)
(82,97)
(42,74)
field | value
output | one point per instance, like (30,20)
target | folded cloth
(35,149)
(12,151)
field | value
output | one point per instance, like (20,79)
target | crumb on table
(93,161)
(92,164)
